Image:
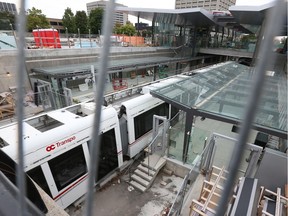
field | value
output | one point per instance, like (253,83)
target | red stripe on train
(70,187)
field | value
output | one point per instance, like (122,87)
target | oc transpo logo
(60,143)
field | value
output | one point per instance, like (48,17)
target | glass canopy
(223,90)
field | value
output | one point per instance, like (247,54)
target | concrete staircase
(145,173)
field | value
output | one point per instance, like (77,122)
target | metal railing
(214,154)
(158,145)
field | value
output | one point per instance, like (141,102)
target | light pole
(40,39)
(67,36)
(79,37)
(13,32)
(90,38)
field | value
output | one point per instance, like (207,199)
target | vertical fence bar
(102,74)
(274,22)
(21,26)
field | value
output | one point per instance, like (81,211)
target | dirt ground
(116,198)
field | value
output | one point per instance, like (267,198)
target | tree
(6,19)
(128,29)
(68,20)
(95,20)
(35,19)
(117,28)
(81,21)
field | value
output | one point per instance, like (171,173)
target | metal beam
(187,134)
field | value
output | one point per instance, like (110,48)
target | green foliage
(117,28)
(127,29)
(6,19)
(95,20)
(81,21)
(36,18)
(69,21)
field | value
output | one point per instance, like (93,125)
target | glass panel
(68,167)
(44,123)
(144,122)
(223,154)
(197,143)
(203,128)
(224,89)
(176,137)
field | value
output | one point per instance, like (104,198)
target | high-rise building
(119,17)
(8,7)
(210,5)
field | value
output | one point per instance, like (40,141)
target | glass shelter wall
(216,99)
(167,33)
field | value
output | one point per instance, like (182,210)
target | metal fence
(272,27)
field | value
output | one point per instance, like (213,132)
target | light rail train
(56,143)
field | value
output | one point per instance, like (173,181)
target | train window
(68,167)
(108,160)
(44,123)
(37,175)
(144,122)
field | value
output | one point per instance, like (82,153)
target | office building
(8,7)
(210,5)
(119,17)
(56,24)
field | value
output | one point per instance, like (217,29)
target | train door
(108,157)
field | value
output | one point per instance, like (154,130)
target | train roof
(162,83)
(51,127)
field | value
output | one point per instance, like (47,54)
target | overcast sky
(56,8)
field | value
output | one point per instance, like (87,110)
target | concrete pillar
(155,72)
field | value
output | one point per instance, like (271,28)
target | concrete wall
(272,172)
(177,167)
(8,63)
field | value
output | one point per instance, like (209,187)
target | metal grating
(261,65)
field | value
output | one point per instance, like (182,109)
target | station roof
(221,93)
(113,66)
(188,16)
(255,15)
(241,16)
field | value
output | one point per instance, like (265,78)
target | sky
(56,8)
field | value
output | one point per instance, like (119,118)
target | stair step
(140,180)
(156,165)
(145,169)
(144,175)
(137,186)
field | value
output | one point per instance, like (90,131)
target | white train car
(56,144)
(138,114)
(163,83)
(56,149)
